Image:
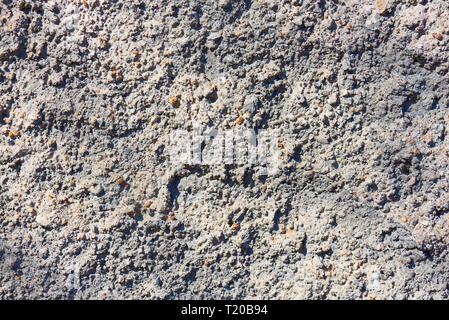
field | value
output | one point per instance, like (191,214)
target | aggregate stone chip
(98,200)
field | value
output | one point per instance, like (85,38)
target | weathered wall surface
(92,207)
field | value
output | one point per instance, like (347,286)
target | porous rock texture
(92,208)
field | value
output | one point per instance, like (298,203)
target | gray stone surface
(91,208)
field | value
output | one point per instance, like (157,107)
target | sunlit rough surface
(92,207)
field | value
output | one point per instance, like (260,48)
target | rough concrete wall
(92,207)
